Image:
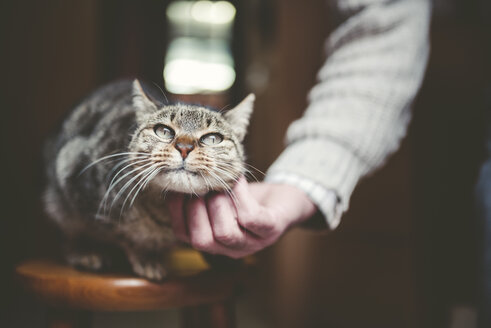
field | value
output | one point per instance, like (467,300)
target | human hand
(258,216)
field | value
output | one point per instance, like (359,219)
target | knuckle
(262,227)
(246,219)
(201,243)
(230,239)
(251,215)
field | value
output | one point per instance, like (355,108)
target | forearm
(360,109)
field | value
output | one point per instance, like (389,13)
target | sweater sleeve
(360,108)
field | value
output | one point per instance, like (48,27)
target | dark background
(406,254)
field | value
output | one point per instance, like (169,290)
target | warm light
(179,11)
(129,282)
(187,76)
(219,12)
(198,58)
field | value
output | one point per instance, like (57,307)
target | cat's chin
(181,181)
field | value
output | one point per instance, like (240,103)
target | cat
(117,154)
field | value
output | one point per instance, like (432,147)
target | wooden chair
(203,295)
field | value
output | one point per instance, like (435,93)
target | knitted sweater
(360,108)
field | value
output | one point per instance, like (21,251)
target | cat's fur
(113,160)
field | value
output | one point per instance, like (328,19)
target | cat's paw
(90,261)
(150,270)
(149,266)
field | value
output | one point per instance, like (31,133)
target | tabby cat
(117,154)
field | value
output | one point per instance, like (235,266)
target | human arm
(359,110)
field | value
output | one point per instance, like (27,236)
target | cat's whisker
(165,190)
(146,180)
(229,174)
(251,174)
(207,183)
(116,170)
(233,197)
(127,166)
(231,171)
(123,162)
(244,169)
(109,157)
(192,191)
(128,184)
(226,174)
(190,184)
(248,173)
(138,186)
(206,170)
(162,91)
(234,166)
(116,180)
(221,110)
(113,185)
(217,178)
(227,189)
(157,171)
(255,169)
(248,165)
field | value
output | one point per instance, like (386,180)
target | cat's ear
(239,116)
(143,101)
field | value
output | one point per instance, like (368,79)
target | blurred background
(406,253)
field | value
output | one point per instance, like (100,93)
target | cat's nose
(184,148)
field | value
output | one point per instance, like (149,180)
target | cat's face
(189,149)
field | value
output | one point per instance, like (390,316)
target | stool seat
(193,284)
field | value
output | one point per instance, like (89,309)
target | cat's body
(114,158)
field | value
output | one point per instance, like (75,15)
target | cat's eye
(164,132)
(211,139)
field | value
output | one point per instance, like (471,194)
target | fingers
(200,233)
(192,224)
(251,215)
(175,205)
(223,220)
(217,225)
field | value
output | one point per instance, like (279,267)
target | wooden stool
(204,295)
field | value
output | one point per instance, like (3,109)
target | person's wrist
(292,203)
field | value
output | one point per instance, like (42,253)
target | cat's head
(189,148)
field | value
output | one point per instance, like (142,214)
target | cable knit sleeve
(360,108)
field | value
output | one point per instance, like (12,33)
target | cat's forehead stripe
(191,117)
